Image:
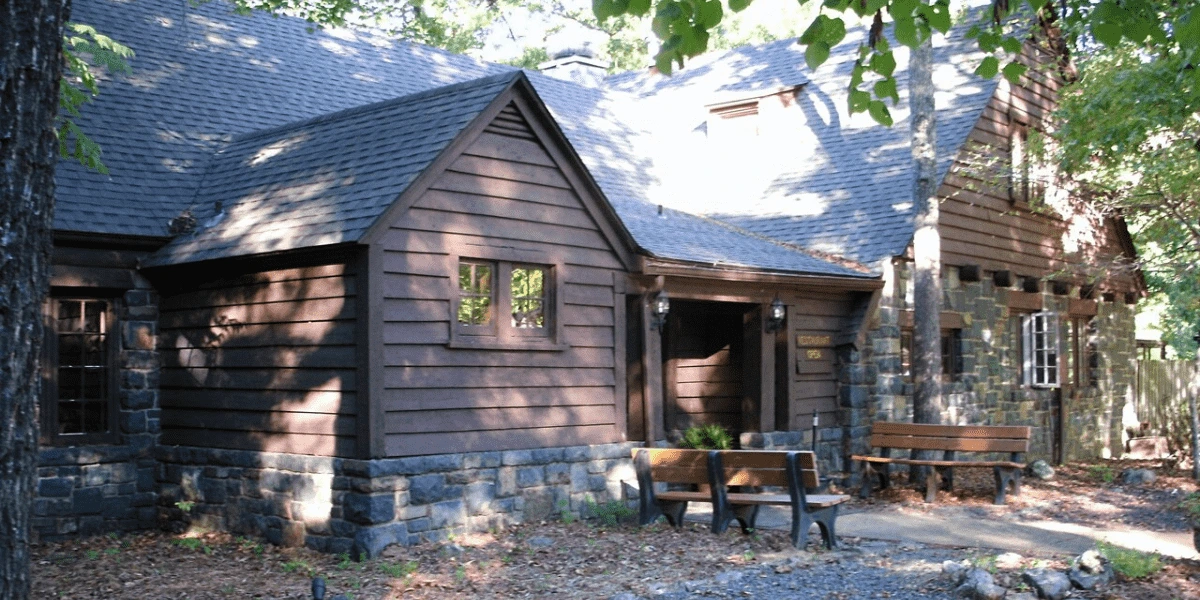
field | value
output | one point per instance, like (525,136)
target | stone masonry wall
(362,506)
(96,489)
(989,389)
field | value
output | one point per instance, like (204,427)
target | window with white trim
(1040,348)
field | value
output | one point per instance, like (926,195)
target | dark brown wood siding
(814,323)
(262,361)
(503,196)
(981,224)
(705,365)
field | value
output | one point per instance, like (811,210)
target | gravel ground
(868,570)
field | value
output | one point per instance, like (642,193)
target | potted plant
(1191,507)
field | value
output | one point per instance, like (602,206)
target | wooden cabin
(428,294)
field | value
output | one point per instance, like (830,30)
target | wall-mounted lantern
(659,308)
(776,315)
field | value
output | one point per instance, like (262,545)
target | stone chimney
(578,64)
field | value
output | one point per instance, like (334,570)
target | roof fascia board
(745,275)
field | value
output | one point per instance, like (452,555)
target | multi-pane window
(1081,354)
(475,293)
(529,298)
(1019,175)
(489,290)
(952,366)
(1040,349)
(82,369)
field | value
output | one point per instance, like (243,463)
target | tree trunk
(31,34)
(927,245)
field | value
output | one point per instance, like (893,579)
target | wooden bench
(949,440)
(721,470)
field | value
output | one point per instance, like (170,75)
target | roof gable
(517,118)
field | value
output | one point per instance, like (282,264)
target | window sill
(490,343)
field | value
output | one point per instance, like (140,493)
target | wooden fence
(1162,398)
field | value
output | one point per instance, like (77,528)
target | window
(1040,349)
(1027,175)
(504,303)
(952,366)
(1018,152)
(529,298)
(1081,355)
(79,402)
(475,293)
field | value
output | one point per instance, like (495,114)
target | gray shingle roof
(836,183)
(201,76)
(180,132)
(326,180)
(619,154)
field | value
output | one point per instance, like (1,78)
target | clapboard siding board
(262,361)
(814,319)
(704,365)
(981,225)
(504,196)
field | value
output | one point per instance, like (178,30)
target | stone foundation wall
(989,389)
(360,507)
(828,448)
(86,490)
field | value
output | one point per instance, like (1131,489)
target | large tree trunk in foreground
(927,244)
(31,34)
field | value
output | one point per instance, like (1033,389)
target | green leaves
(879,111)
(988,68)
(1013,72)
(815,54)
(83,49)
(821,36)
(1108,34)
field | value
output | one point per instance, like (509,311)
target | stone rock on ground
(1020,596)
(1137,476)
(1048,584)
(955,570)
(540,542)
(978,584)
(1040,469)
(1009,560)
(1091,570)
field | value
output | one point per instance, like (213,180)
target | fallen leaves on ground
(578,559)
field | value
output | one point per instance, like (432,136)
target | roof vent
(576,62)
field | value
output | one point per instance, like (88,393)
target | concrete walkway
(974,528)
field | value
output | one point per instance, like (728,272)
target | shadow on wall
(260,362)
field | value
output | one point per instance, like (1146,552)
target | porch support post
(652,367)
(766,377)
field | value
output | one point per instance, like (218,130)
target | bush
(1191,507)
(1104,473)
(1131,564)
(609,513)
(706,437)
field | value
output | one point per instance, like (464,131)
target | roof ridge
(823,256)
(353,111)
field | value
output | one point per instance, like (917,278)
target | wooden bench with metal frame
(740,469)
(949,440)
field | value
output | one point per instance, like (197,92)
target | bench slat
(949,443)
(1019,432)
(940,463)
(685,496)
(814,501)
